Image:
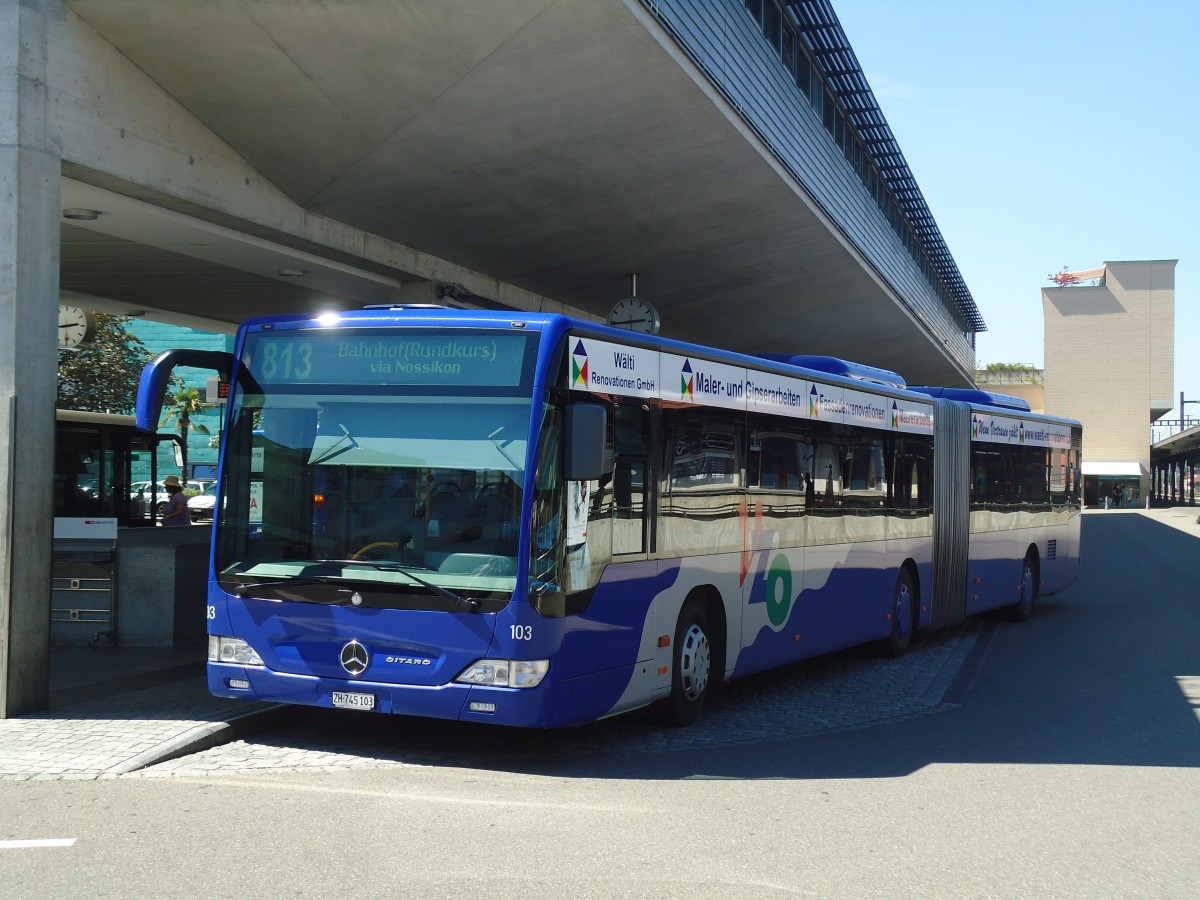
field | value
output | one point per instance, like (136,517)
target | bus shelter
(116,578)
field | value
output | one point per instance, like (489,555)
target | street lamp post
(1182,417)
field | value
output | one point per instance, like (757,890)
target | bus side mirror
(157,375)
(587,457)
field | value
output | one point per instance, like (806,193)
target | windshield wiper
(461,603)
(243,590)
(335,449)
(494,437)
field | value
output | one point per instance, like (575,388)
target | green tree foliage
(1010,367)
(179,407)
(102,376)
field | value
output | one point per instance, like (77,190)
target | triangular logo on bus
(579,366)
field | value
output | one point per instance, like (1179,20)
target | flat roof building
(1025,382)
(1110,363)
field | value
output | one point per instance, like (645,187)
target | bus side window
(630,501)
(911,477)
(703,464)
(864,483)
(827,476)
(778,463)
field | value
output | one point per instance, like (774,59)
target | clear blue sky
(1046,134)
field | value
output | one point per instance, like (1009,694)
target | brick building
(1110,363)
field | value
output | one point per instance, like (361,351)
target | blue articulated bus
(538,521)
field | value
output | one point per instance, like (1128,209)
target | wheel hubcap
(695,661)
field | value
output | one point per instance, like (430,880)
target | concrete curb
(204,737)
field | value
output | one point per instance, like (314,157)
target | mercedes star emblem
(354,658)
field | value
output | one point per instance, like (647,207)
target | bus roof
(94,418)
(828,368)
(832,365)
(977,397)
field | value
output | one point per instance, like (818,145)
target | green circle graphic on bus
(779,590)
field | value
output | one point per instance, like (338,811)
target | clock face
(76,327)
(635,314)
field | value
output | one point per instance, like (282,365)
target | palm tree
(180,407)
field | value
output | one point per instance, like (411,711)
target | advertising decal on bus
(613,369)
(604,368)
(1003,430)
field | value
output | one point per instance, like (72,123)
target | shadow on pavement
(79,675)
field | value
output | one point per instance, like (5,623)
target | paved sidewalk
(118,734)
(1185,518)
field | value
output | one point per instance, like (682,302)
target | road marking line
(26,845)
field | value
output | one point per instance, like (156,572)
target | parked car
(202,505)
(139,494)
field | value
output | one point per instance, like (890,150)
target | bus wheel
(692,668)
(904,615)
(1023,608)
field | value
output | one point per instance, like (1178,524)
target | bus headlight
(232,650)
(517,673)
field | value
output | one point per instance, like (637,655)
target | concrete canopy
(556,147)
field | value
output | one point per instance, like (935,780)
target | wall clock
(76,327)
(635,314)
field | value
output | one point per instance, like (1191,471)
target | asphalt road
(1065,763)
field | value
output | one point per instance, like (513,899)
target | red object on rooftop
(1064,278)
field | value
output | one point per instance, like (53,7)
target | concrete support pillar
(30,179)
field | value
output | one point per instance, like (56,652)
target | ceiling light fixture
(291,273)
(81,213)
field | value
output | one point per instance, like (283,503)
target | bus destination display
(409,358)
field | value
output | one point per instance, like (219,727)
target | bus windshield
(400,495)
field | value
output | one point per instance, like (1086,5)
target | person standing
(176,511)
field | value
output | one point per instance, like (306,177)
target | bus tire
(905,602)
(1027,598)
(691,672)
